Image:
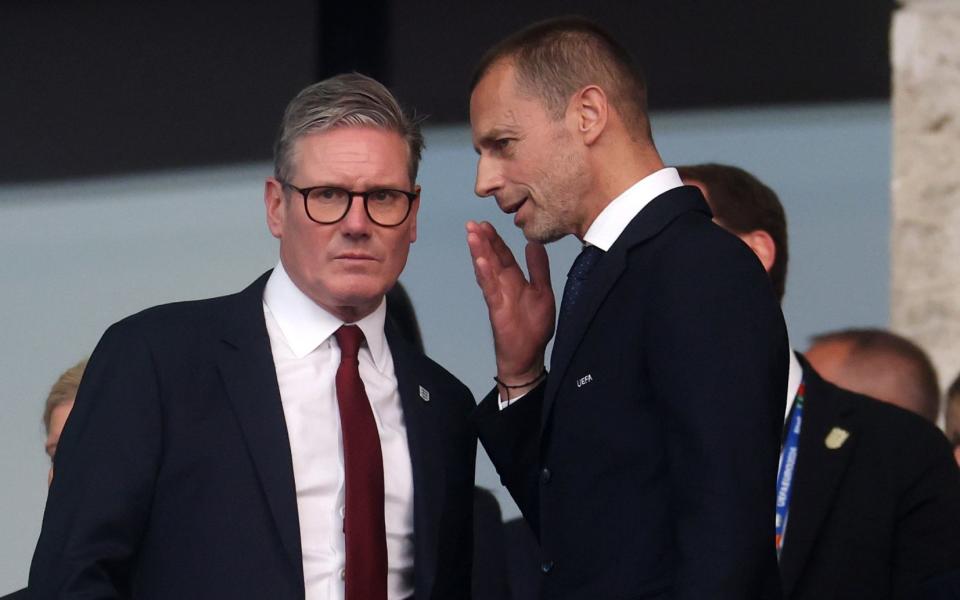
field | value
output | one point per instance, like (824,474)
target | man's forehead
(498,86)
(488,129)
(498,109)
(352,150)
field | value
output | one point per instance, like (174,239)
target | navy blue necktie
(576,281)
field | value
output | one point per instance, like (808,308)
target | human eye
(386,196)
(504,146)
(327,195)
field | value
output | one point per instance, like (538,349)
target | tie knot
(584,262)
(349,337)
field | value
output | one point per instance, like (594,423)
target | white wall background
(79,255)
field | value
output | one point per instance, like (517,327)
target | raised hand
(522,313)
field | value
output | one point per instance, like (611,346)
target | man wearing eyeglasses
(282,442)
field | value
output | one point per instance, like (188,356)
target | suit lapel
(820,470)
(249,376)
(650,221)
(601,281)
(426,457)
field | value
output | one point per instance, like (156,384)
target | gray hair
(348,100)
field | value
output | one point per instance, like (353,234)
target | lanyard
(787,465)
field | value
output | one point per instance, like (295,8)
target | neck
(616,170)
(352,314)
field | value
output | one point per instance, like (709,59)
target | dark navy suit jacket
(174,476)
(877,517)
(647,461)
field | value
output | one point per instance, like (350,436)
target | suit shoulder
(695,261)
(175,319)
(695,239)
(888,430)
(894,423)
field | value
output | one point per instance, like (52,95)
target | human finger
(538,265)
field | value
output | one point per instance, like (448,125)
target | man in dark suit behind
(880,364)
(282,442)
(646,460)
(873,511)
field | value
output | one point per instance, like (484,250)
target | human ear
(592,110)
(762,245)
(273,200)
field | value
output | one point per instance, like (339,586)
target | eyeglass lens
(385,207)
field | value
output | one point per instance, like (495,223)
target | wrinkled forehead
(353,151)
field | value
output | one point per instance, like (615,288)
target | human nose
(489,179)
(356,221)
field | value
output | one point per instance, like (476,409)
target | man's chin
(543,235)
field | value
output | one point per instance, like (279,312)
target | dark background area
(94,88)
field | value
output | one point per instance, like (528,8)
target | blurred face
(952,418)
(528,161)
(828,359)
(345,267)
(884,378)
(58,416)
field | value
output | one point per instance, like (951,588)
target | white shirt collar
(794,378)
(615,217)
(305,324)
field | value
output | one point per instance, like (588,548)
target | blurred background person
(868,494)
(58,406)
(952,417)
(55,412)
(879,364)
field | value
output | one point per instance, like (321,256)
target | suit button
(545,475)
(546,566)
(343,574)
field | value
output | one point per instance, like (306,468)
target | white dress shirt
(306,357)
(615,217)
(794,378)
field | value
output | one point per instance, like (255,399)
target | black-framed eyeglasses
(327,205)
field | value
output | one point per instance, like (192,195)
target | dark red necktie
(363,526)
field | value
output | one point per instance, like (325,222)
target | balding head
(879,364)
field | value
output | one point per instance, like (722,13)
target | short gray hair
(348,100)
(555,58)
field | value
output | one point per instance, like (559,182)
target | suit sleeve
(718,358)
(511,438)
(104,473)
